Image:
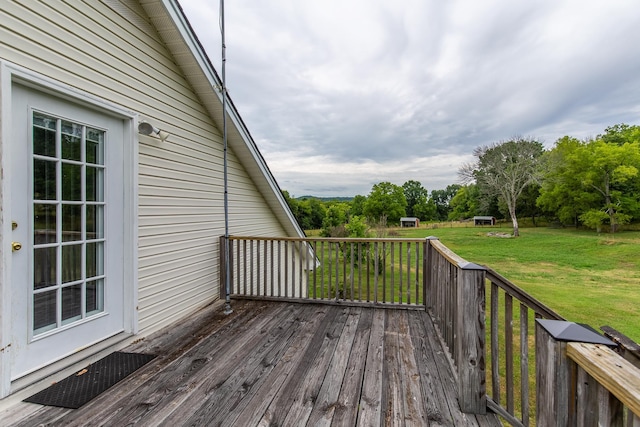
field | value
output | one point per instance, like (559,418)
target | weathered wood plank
(259,400)
(433,398)
(170,348)
(309,380)
(371,397)
(346,408)
(299,389)
(615,373)
(157,398)
(325,405)
(220,386)
(414,409)
(285,364)
(392,396)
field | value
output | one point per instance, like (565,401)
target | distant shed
(409,222)
(484,220)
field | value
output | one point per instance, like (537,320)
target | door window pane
(71,141)
(44,223)
(71,303)
(95,257)
(71,181)
(71,263)
(95,146)
(94,296)
(95,184)
(44,180)
(44,311)
(71,223)
(95,222)
(45,263)
(44,135)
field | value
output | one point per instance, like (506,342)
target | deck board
(281,364)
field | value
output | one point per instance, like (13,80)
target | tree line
(593,183)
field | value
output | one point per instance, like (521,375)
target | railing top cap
(562,330)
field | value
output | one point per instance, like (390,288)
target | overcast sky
(342,94)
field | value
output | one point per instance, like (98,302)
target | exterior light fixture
(145,128)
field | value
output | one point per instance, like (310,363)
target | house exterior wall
(110,50)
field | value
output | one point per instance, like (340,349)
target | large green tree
(357,205)
(595,181)
(562,193)
(465,203)
(414,193)
(385,200)
(441,200)
(504,170)
(334,221)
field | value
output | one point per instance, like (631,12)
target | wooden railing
(481,316)
(511,313)
(378,271)
(584,383)
(455,299)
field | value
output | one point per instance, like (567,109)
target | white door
(67,219)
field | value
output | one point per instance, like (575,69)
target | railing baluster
(524,363)
(376,269)
(297,253)
(360,271)
(238,262)
(393,275)
(344,272)
(417,275)
(508,343)
(495,349)
(408,273)
(251,272)
(401,270)
(368,273)
(315,270)
(337,266)
(384,271)
(273,268)
(351,272)
(244,266)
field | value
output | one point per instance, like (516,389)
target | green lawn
(586,277)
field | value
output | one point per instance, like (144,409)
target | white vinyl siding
(110,50)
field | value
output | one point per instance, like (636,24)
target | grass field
(585,277)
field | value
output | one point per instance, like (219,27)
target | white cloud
(343,94)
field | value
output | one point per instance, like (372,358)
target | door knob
(16,246)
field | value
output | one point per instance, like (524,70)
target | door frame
(10,74)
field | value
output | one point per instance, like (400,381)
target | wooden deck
(280,364)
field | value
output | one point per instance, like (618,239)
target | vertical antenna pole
(227,275)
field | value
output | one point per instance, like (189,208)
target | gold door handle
(16,246)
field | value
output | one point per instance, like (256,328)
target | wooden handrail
(328,239)
(511,289)
(617,375)
(451,256)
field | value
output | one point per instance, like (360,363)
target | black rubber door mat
(79,388)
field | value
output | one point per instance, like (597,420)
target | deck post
(560,399)
(470,349)
(554,375)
